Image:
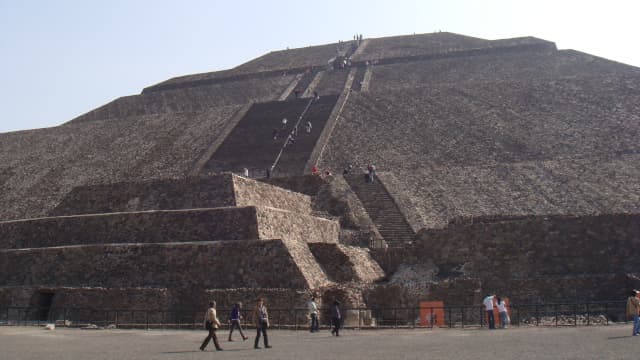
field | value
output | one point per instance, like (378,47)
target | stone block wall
(165,194)
(346,263)
(507,255)
(276,223)
(180,193)
(135,227)
(250,192)
(297,231)
(226,264)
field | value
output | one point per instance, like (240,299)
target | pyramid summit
(481,148)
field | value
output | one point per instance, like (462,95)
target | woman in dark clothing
(235,320)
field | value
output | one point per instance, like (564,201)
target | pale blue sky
(62,58)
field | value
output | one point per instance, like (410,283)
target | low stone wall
(228,264)
(452,291)
(539,258)
(136,227)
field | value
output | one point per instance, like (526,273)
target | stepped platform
(43,165)
(181,193)
(435,43)
(217,264)
(190,99)
(232,223)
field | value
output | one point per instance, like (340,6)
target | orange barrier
(432,313)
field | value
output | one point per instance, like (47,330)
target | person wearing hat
(336,317)
(211,323)
(633,311)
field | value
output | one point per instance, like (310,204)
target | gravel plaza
(596,342)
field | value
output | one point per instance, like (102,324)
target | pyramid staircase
(251,143)
(382,210)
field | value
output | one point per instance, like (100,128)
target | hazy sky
(62,58)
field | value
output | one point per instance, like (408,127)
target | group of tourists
(491,302)
(314,316)
(260,318)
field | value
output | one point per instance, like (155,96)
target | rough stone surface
(227,264)
(189,100)
(180,193)
(132,227)
(166,194)
(46,164)
(346,263)
(468,130)
(425,44)
(251,192)
(463,142)
(567,254)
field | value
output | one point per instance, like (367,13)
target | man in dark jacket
(336,317)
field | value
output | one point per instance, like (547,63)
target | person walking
(313,315)
(235,318)
(284,123)
(336,318)
(308,127)
(633,311)
(211,323)
(502,310)
(372,172)
(261,319)
(488,305)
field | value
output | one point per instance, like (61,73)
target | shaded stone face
(540,258)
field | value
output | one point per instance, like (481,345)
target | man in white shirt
(211,323)
(313,314)
(488,305)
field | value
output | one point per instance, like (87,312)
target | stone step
(217,264)
(173,194)
(165,226)
(390,222)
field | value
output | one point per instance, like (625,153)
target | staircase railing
(286,140)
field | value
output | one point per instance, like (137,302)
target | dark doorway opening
(44,299)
